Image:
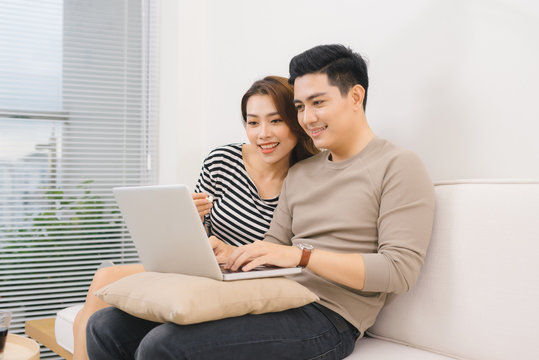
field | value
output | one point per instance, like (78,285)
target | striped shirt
(238,216)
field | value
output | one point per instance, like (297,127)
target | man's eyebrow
(311,97)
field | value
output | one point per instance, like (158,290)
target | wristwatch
(306,250)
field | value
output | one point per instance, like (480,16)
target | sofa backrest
(478,293)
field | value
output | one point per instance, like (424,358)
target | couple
(357,216)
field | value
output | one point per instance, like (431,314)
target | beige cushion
(184,299)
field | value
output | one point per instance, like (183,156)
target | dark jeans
(302,333)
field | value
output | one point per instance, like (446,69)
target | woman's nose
(265,130)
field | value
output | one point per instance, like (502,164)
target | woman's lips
(268,148)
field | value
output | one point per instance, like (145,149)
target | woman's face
(267,130)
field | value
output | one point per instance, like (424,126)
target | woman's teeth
(265,147)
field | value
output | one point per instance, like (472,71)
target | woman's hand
(202,203)
(263,253)
(221,250)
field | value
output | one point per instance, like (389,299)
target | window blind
(78,116)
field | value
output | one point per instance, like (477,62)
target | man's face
(323,112)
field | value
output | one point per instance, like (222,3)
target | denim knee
(97,336)
(160,343)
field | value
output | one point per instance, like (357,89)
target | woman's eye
(276,121)
(252,123)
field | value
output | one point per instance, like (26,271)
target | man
(357,217)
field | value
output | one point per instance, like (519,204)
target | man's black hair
(343,67)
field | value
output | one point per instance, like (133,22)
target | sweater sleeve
(280,231)
(404,226)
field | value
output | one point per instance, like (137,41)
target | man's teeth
(317,130)
(265,147)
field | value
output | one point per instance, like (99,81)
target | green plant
(65,216)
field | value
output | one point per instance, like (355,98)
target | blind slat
(16,268)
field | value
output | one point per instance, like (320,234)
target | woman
(239,184)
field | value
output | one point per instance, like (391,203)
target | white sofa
(63,326)
(478,293)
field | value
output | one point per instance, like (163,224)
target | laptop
(169,236)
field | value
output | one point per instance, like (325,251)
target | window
(78,116)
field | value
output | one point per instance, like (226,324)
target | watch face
(305,246)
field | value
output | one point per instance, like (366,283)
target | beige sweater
(379,203)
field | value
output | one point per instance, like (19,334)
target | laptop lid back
(166,229)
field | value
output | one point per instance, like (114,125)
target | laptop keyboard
(258,268)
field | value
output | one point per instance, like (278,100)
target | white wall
(454,80)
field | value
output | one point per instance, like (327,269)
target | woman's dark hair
(343,67)
(282,95)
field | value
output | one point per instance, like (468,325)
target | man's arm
(345,269)
(404,227)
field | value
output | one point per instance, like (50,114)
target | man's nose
(308,115)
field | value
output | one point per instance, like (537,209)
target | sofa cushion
(184,299)
(63,326)
(477,295)
(374,349)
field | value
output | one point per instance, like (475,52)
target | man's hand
(346,269)
(221,250)
(263,253)
(202,203)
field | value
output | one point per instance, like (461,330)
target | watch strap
(305,256)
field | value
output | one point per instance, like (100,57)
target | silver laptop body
(169,236)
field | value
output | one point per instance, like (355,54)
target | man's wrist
(306,251)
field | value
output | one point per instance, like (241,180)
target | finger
(254,263)
(221,257)
(203,206)
(220,249)
(196,196)
(245,257)
(233,256)
(202,214)
(202,198)
(202,202)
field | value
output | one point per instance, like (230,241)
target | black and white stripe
(238,216)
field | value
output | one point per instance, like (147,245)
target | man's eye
(318,102)
(299,108)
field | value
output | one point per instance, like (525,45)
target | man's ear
(357,93)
